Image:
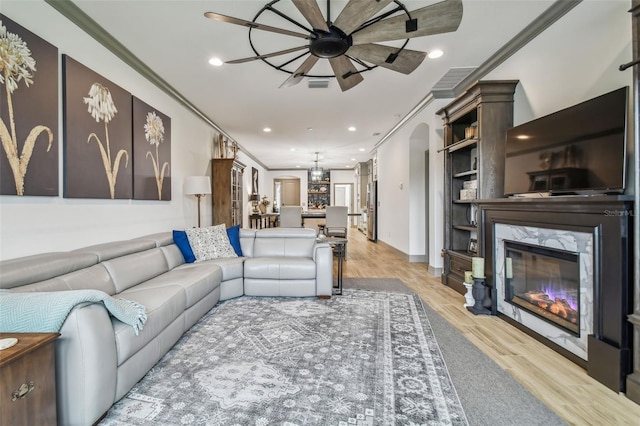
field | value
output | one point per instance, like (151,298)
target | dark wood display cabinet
(475,126)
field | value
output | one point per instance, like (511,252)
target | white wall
(575,59)
(30,225)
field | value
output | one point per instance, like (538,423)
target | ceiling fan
(351,38)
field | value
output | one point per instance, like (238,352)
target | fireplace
(545,282)
(560,269)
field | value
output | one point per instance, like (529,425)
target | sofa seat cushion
(197,281)
(280,268)
(163,305)
(232,267)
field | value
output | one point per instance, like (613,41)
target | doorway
(286,192)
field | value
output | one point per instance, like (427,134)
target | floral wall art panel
(97,137)
(151,153)
(28,112)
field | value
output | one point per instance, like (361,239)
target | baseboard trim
(417,258)
(435,271)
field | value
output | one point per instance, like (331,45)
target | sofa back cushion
(247,239)
(41,267)
(133,269)
(94,277)
(293,242)
(113,249)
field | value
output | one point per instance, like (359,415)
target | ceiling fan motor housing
(329,44)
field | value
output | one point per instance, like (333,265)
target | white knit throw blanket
(45,312)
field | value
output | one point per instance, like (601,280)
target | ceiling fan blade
(356,12)
(267,55)
(345,72)
(298,74)
(437,18)
(237,21)
(385,56)
(312,13)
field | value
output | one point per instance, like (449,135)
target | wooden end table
(28,380)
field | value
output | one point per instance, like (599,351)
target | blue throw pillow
(234,238)
(181,240)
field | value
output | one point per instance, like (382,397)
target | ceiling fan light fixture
(318,83)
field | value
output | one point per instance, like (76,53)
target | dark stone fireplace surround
(609,218)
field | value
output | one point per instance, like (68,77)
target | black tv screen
(577,150)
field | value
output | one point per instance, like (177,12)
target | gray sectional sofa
(99,358)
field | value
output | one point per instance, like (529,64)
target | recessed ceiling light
(216,62)
(292,149)
(352,128)
(435,53)
(309,128)
(522,137)
(353,159)
(361,149)
(298,166)
(266,129)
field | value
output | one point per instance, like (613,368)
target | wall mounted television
(578,150)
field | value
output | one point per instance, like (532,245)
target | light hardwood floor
(560,384)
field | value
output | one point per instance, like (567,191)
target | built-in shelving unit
(319,192)
(475,126)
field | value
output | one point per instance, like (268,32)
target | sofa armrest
(323,256)
(86,365)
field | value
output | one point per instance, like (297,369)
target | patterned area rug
(363,358)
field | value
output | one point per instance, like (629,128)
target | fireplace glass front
(545,282)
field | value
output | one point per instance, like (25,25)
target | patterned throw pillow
(210,242)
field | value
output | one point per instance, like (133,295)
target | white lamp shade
(197,185)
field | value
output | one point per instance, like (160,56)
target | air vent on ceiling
(318,83)
(445,87)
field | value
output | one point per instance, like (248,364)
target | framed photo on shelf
(473,246)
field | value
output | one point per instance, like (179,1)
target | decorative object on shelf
(255,199)
(473,246)
(348,40)
(198,186)
(468,194)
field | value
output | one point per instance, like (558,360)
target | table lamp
(254,198)
(198,186)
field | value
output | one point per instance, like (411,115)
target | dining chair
(290,217)
(336,221)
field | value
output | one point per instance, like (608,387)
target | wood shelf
(464,174)
(459,145)
(469,228)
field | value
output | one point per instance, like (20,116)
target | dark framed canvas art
(28,112)
(254,181)
(151,153)
(97,137)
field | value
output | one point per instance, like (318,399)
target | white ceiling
(175,40)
